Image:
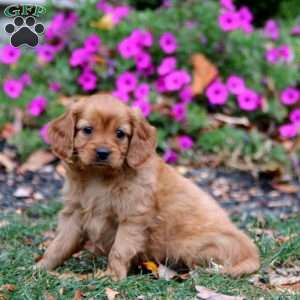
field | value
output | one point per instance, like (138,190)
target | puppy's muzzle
(102,154)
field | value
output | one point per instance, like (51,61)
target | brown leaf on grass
(8,130)
(204,73)
(2,297)
(4,223)
(286,188)
(278,280)
(7,287)
(232,120)
(71,275)
(208,294)
(78,295)
(36,160)
(111,294)
(7,162)
(49,296)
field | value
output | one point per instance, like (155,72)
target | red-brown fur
(135,205)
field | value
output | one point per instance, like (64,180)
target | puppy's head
(100,131)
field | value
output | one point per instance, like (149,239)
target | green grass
(20,238)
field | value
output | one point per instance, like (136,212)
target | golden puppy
(120,195)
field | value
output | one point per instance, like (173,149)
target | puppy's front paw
(43,264)
(112,274)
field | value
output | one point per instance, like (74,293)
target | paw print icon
(24,31)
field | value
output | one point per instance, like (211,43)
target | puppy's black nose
(102,153)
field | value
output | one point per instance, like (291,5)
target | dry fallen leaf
(71,275)
(49,296)
(7,287)
(165,273)
(204,73)
(286,188)
(2,297)
(36,160)
(4,223)
(7,163)
(208,294)
(78,295)
(232,120)
(111,294)
(277,280)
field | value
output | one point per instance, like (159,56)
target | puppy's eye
(87,130)
(120,133)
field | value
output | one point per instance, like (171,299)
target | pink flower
(142,38)
(168,42)
(285,52)
(13,88)
(170,156)
(271,29)
(9,54)
(44,133)
(143,106)
(142,91)
(272,55)
(248,100)
(45,53)
(167,65)
(295,116)
(54,87)
(229,21)
(295,30)
(290,96)
(26,79)
(121,95)
(79,56)
(227,4)
(185,142)
(128,48)
(235,84)
(126,82)
(119,13)
(143,60)
(36,106)
(288,130)
(87,80)
(178,112)
(160,85)
(176,80)
(245,19)
(217,93)
(186,95)
(92,43)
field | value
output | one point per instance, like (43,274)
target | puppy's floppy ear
(61,135)
(143,141)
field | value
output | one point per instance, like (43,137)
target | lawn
(24,235)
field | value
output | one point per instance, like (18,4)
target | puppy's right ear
(61,133)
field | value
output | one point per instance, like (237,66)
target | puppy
(120,195)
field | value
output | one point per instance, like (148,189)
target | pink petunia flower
(142,38)
(143,106)
(13,88)
(9,54)
(168,42)
(176,80)
(245,18)
(128,48)
(126,82)
(290,96)
(217,93)
(248,100)
(45,53)
(119,13)
(227,4)
(26,79)
(37,106)
(87,80)
(185,142)
(143,60)
(288,131)
(121,95)
(178,112)
(92,43)
(295,116)
(44,133)
(54,86)
(160,85)
(167,65)
(271,29)
(272,55)
(170,156)
(286,53)
(186,95)
(229,21)
(79,56)
(235,84)
(142,91)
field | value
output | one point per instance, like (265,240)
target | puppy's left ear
(143,141)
